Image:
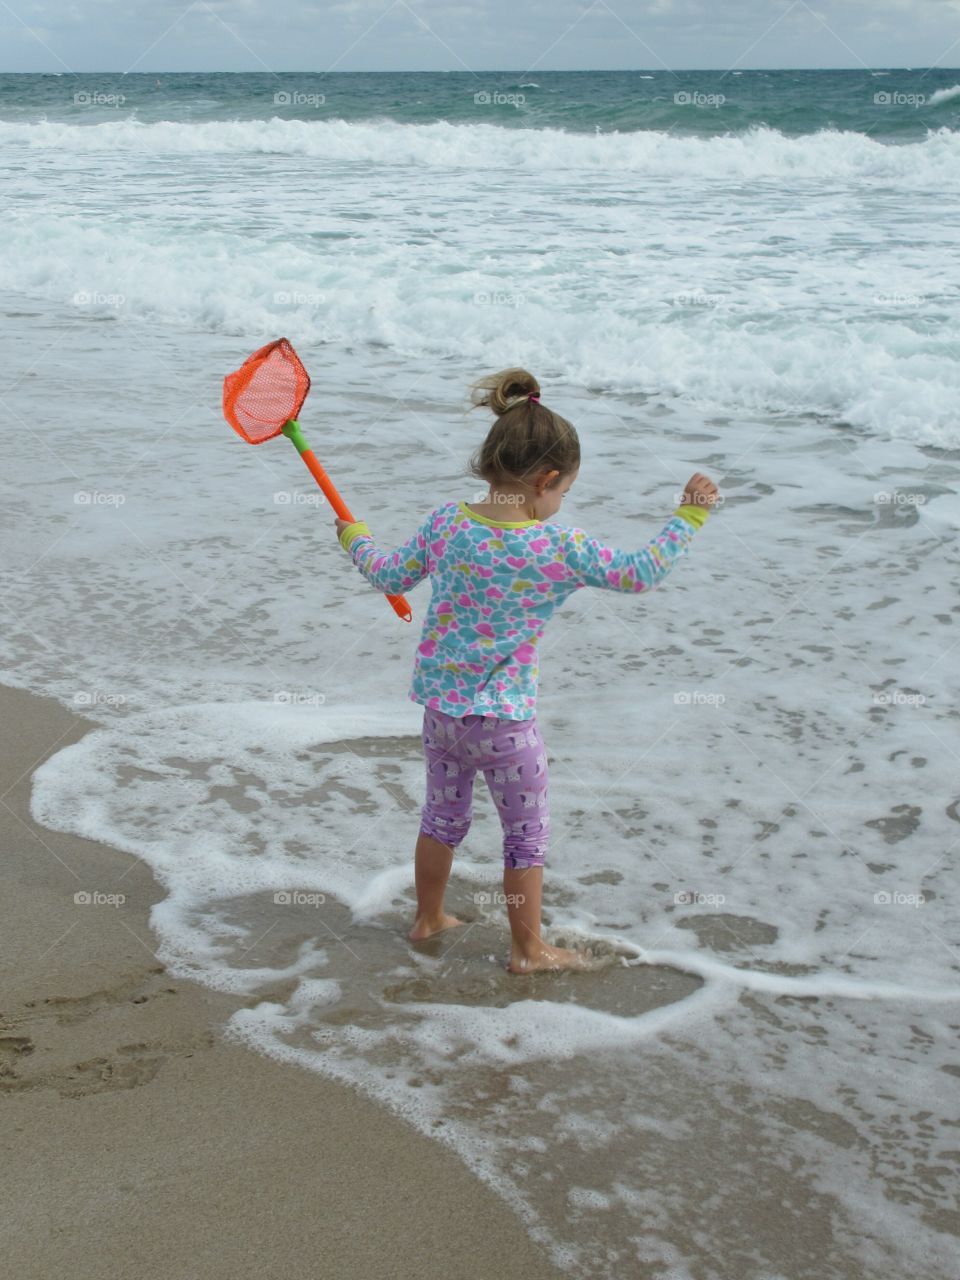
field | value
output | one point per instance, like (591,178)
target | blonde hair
(526,437)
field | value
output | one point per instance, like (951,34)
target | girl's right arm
(389,571)
(592,564)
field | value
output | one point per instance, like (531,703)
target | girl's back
(495,585)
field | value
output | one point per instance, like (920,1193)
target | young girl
(499,569)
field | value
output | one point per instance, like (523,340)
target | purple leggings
(513,759)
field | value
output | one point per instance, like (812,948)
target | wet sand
(146,1140)
(140,1142)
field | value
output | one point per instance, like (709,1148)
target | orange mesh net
(266,391)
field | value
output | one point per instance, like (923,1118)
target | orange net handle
(398,603)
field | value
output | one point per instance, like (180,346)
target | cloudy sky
(476,35)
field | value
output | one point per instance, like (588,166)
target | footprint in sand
(129,1066)
(12,1048)
(126,1067)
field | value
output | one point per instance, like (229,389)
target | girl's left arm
(393,571)
(590,563)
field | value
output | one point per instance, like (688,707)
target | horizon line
(414,71)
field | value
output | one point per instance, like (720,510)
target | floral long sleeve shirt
(495,585)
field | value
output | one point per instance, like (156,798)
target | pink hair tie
(534,396)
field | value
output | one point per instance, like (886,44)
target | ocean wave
(944,95)
(868,359)
(758,153)
(680,267)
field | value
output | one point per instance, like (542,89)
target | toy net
(266,391)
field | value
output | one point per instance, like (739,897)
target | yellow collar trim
(497,524)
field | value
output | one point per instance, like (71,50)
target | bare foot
(548,958)
(427,926)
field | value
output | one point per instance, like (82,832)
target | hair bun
(500,390)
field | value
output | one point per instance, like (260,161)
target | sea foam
(750,272)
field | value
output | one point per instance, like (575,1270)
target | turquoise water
(793,102)
(771,253)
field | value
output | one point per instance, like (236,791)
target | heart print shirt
(495,585)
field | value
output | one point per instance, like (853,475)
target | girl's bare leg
(432,870)
(523,887)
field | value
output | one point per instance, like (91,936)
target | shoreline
(146,1140)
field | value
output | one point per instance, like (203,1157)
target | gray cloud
(370,35)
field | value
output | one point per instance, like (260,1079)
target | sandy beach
(146,1145)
